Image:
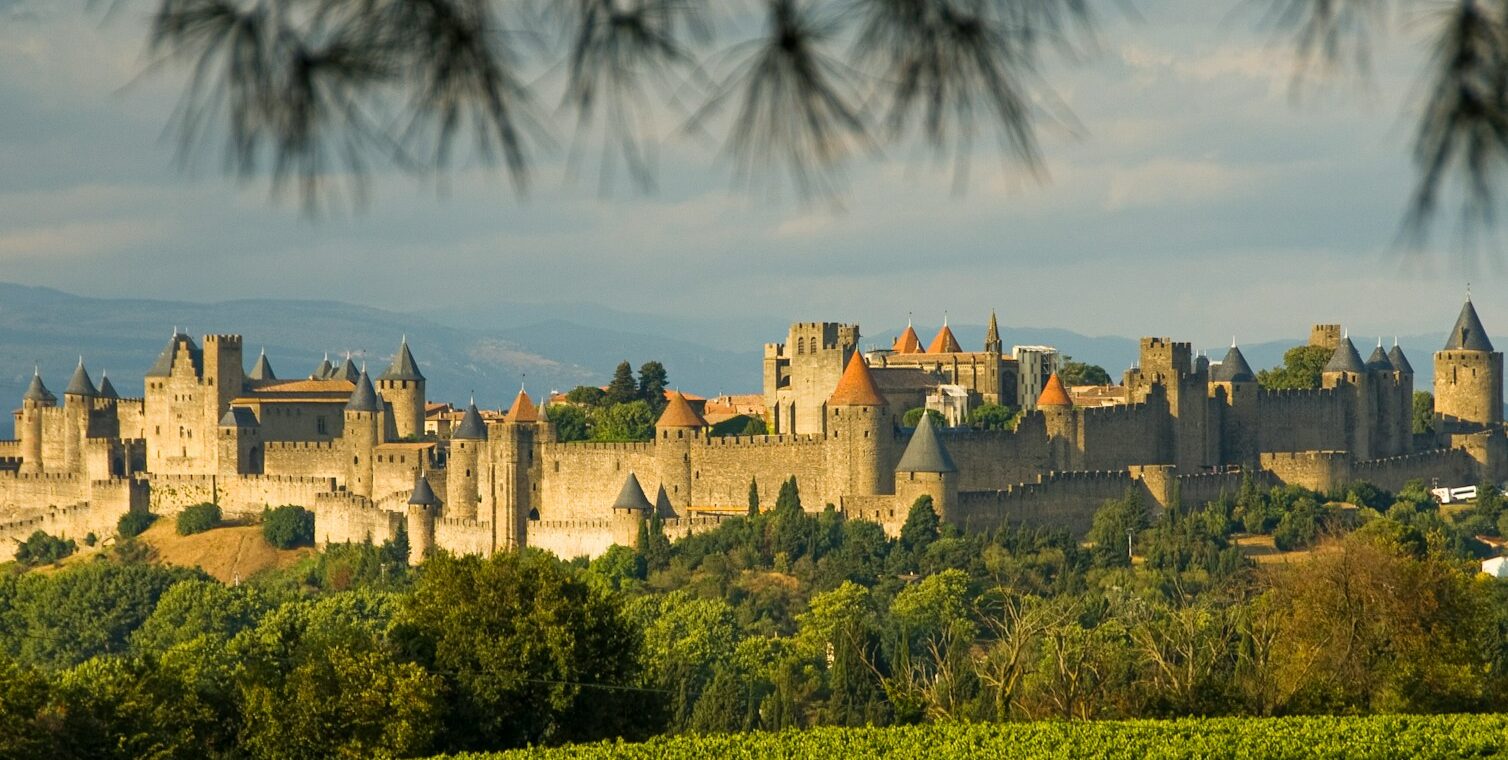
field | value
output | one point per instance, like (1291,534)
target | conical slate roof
(346,371)
(680,413)
(856,387)
(423,495)
(37,391)
(81,385)
(1054,394)
(944,342)
(403,367)
(925,452)
(262,370)
(239,417)
(908,342)
(364,399)
(632,496)
(1400,362)
(324,370)
(1233,368)
(1202,363)
(522,410)
(1379,361)
(471,428)
(1468,334)
(1345,358)
(106,389)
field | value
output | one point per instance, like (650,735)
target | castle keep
(352,447)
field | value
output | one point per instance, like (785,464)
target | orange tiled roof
(1054,394)
(907,343)
(856,387)
(944,343)
(679,413)
(523,409)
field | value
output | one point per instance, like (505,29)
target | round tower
(361,435)
(1468,378)
(630,511)
(1344,371)
(513,459)
(926,469)
(461,469)
(677,429)
(859,437)
(422,506)
(1057,411)
(402,385)
(1233,379)
(78,404)
(36,398)
(238,449)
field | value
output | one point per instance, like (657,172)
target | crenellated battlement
(301,445)
(621,446)
(757,441)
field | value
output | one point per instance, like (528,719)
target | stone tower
(363,431)
(1325,336)
(860,435)
(1405,371)
(1468,378)
(1233,380)
(402,385)
(239,443)
(78,408)
(36,398)
(514,459)
(422,508)
(678,428)
(992,343)
(926,469)
(1169,365)
(800,374)
(224,374)
(630,511)
(1347,373)
(1056,407)
(462,467)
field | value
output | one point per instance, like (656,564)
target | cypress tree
(623,388)
(753,497)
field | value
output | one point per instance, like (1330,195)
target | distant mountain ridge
(489,351)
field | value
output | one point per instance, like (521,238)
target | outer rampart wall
(721,469)
(581,480)
(1060,500)
(1115,437)
(1301,420)
(993,459)
(346,518)
(572,538)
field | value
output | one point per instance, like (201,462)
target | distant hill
(486,351)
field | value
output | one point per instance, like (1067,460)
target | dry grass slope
(229,553)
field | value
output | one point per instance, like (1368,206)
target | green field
(1386,736)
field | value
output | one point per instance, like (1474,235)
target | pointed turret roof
(37,391)
(164,364)
(857,386)
(1400,362)
(1201,363)
(80,385)
(925,452)
(907,342)
(403,367)
(106,389)
(262,370)
(680,413)
(471,428)
(992,335)
(523,410)
(1379,361)
(324,370)
(364,398)
(1345,358)
(423,495)
(631,496)
(1233,368)
(346,371)
(944,342)
(1468,334)
(1054,394)
(544,416)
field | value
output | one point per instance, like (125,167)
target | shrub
(91,539)
(198,518)
(288,526)
(42,549)
(133,524)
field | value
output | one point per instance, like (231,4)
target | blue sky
(1201,199)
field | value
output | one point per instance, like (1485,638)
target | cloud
(75,240)
(1180,182)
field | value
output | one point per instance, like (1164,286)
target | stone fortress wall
(343,444)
